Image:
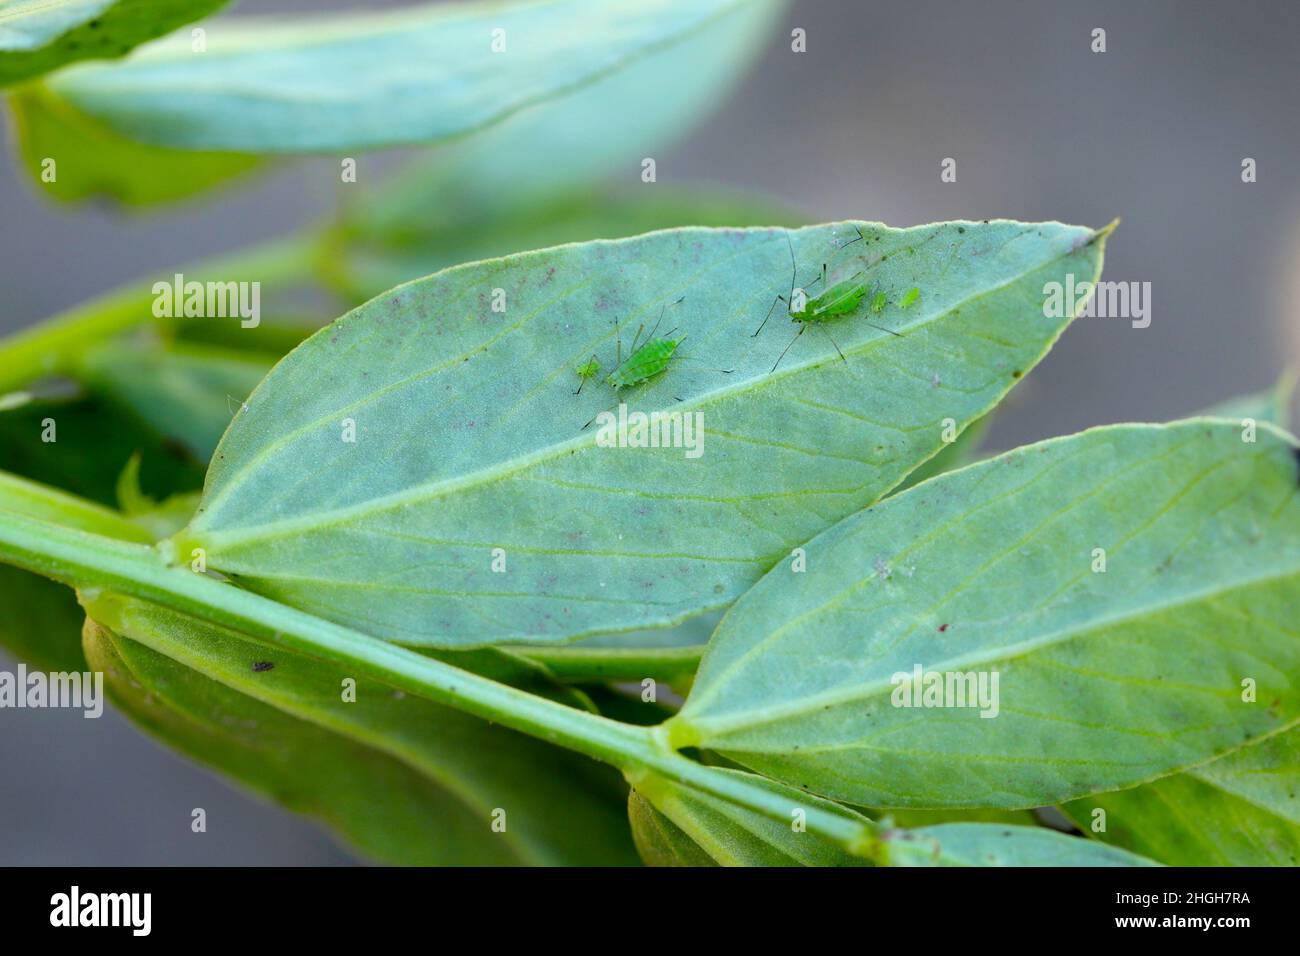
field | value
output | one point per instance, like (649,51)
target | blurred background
(1154,130)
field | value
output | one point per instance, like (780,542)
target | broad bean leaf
(560,150)
(1217,814)
(364,81)
(1240,810)
(407,780)
(1107,678)
(37,36)
(91,160)
(378,466)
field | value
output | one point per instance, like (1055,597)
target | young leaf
(1124,584)
(288,730)
(37,36)
(366,81)
(367,479)
(1239,810)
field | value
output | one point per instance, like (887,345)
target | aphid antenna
(794,270)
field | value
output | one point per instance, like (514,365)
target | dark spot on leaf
(961,229)
(942,628)
(260,666)
(1017,373)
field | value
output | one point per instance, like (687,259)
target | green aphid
(648,359)
(879,302)
(910,297)
(839,300)
(585,371)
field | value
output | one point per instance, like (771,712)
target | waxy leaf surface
(378,466)
(378,79)
(1106,678)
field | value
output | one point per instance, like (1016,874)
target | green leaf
(559,150)
(677,826)
(90,159)
(992,844)
(1240,810)
(189,393)
(365,81)
(405,779)
(1106,680)
(463,414)
(37,36)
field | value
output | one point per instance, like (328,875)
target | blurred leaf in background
(37,36)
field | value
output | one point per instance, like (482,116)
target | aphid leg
(837,348)
(632,348)
(779,298)
(582,379)
(852,241)
(787,348)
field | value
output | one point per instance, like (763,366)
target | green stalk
(54,346)
(90,561)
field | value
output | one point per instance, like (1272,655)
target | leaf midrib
(868,690)
(511,466)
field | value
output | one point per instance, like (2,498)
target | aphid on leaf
(879,302)
(585,371)
(909,297)
(839,300)
(646,361)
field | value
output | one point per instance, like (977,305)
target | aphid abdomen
(644,364)
(840,299)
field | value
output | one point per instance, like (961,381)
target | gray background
(1153,130)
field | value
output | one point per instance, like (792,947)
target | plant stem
(53,346)
(89,561)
